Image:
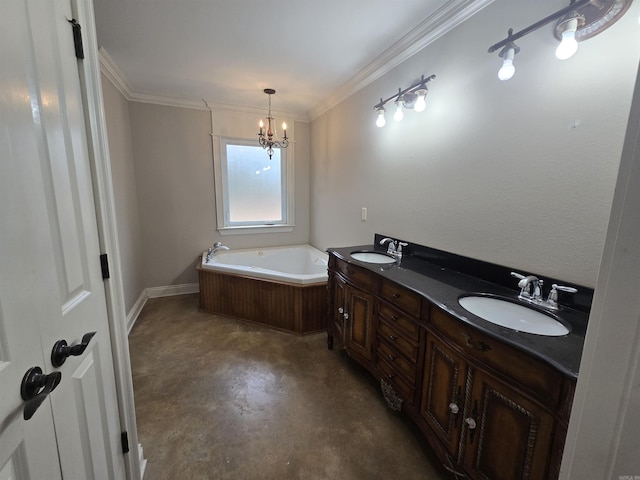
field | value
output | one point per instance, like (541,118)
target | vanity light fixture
(411,98)
(580,20)
(266,137)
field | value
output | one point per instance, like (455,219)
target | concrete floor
(220,399)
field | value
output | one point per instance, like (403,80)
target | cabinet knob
(393,318)
(390,376)
(453,408)
(340,310)
(396,295)
(393,338)
(471,423)
(345,316)
(391,357)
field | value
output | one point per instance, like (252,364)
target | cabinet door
(443,387)
(359,324)
(508,437)
(337,308)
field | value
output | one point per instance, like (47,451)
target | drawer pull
(394,318)
(396,295)
(471,423)
(393,338)
(391,357)
(390,376)
(453,408)
(479,345)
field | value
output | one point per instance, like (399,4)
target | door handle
(35,388)
(61,350)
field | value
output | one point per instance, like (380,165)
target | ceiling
(228,51)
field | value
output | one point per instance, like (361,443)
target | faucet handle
(400,245)
(517,275)
(563,288)
(552,300)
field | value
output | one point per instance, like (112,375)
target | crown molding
(110,70)
(449,16)
(442,21)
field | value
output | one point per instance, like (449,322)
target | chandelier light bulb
(569,45)
(380,122)
(508,69)
(399,114)
(421,103)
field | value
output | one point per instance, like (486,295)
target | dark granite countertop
(443,286)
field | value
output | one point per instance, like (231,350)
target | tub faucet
(216,247)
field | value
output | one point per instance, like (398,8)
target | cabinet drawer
(387,353)
(359,276)
(540,378)
(400,320)
(400,343)
(401,297)
(391,376)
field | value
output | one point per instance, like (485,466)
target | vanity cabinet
(496,411)
(398,345)
(352,309)
(489,410)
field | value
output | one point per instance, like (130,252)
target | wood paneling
(293,308)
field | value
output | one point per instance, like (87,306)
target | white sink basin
(512,315)
(372,257)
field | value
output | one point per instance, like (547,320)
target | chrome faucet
(531,287)
(216,247)
(391,249)
(531,291)
(395,247)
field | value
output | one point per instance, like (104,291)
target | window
(252,191)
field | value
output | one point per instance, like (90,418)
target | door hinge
(104,265)
(77,38)
(124,436)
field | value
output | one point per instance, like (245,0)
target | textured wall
(116,110)
(174,178)
(519,173)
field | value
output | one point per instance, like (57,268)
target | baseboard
(135,310)
(171,290)
(142,460)
(155,292)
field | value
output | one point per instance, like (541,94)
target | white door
(51,286)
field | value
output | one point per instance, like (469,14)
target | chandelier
(266,138)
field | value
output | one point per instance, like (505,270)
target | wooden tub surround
(294,308)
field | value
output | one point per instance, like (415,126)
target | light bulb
(569,45)
(380,122)
(420,104)
(507,70)
(399,114)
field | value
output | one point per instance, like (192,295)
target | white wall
(116,110)
(492,170)
(603,436)
(174,178)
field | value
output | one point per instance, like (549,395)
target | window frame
(222,194)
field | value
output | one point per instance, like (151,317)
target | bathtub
(284,288)
(298,264)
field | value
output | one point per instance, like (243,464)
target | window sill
(256,229)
